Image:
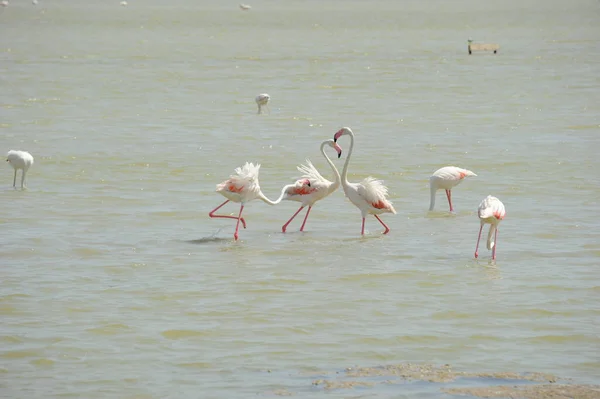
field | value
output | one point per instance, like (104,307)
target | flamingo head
(306,182)
(335,146)
(341,132)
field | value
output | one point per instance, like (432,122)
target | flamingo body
(241,187)
(446,178)
(312,187)
(262,100)
(370,195)
(491,211)
(19,160)
(245,7)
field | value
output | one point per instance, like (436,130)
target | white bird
(446,178)
(245,7)
(262,100)
(492,211)
(370,195)
(312,187)
(242,187)
(4,3)
(19,160)
(123,3)
(34,2)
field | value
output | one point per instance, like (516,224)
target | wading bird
(491,210)
(262,100)
(312,187)
(19,160)
(370,195)
(241,187)
(446,178)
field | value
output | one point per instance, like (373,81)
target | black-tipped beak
(335,139)
(339,154)
(308,184)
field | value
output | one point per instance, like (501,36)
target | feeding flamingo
(312,187)
(491,210)
(242,187)
(446,178)
(262,99)
(370,195)
(19,160)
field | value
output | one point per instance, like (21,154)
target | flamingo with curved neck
(312,187)
(242,187)
(370,195)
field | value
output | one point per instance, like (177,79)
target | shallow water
(116,283)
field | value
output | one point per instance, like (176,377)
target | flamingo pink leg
(478,238)
(449,195)
(305,217)
(495,243)
(284,227)
(212,215)
(237,226)
(362,231)
(387,229)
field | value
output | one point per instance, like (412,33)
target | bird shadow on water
(209,239)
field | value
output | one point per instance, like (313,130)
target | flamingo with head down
(312,187)
(447,178)
(370,195)
(491,210)
(242,187)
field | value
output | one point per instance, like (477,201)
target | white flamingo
(492,211)
(446,178)
(312,187)
(245,7)
(241,187)
(370,195)
(19,160)
(262,100)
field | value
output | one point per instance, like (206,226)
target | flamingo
(245,7)
(19,160)
(446,178)
(312,187)
(4,3)
(370,195)
(262,99)
(241,187)
(491,210)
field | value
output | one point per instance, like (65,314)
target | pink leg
(387,229)
(284,228)
(305,217)
(362,231)
(449,195)
(478,238)
(212,215)
(495,243)
(237,226)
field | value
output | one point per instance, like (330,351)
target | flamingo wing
(374,192)
(311,173)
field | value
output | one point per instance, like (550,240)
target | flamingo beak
(337,135)
(339,150)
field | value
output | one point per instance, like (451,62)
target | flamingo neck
(336,182)
(270,202)
(344,176)
(432,189)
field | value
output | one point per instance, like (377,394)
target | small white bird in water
(492,211)
(245,7)
(4,3)
(446,178)
(34,2)
(19,160)
(123,3)
(262,100)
